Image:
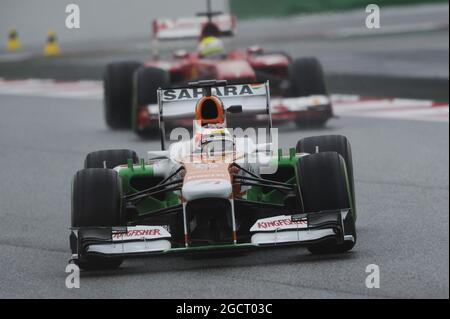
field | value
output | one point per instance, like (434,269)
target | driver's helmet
(211,47)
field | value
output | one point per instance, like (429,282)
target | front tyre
(323,183)
(97,202)
(332,143)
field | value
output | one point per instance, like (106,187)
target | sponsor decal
(257,86)
(141,233)
(196,93)
(279,223)
(214,171)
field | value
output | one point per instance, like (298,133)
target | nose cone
(206,188)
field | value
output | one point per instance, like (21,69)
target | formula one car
(130,87)
(217,191)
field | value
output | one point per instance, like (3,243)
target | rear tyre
(306,79)
(97,202)
(109,158)
(322,178)
(146,82)
(117,83)
(332,143)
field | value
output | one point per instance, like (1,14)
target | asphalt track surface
(402,193)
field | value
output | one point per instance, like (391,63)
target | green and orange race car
(217,190)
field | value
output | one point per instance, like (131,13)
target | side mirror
(234,109)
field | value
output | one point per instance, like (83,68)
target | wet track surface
(402,193)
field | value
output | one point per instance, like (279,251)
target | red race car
(298,86)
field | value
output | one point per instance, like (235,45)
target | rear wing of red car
(191,27)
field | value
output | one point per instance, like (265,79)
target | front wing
(138,241)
